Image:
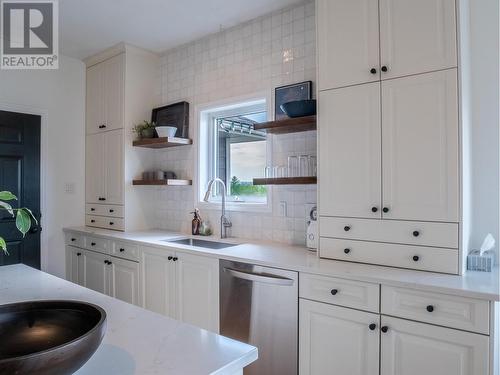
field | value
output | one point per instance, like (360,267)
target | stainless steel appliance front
(259,306)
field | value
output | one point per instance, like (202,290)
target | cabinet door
(74,265)
(114,92)
(158,281)
(124,280)
(94,168)
(411,348)
(113,167)
(420,147)
(348,42)
(96,272)
(349,151)
(417,36)
(337,340)
(197,290)
(95,99)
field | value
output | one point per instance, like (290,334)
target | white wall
(59,96)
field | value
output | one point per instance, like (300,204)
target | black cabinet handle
(102,126)
(109,262)
(92,244)
(105,262)
(385,209)
(372,326)
(170,258)
(92,209)
(374,209)
(175,259)
(373,71)
(334,291)
(416,233)
(92,220)
(384,329)
(111,223)
(122,250)
(73,239)
(102,198)
(347,228)
(78,254)
(384,69)
(416,258)
(430,308)
(347,250)
(111,211)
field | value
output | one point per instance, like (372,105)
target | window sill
(236,207)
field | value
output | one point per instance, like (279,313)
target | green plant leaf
(3,246)
(23,221)
(7,196)
(31,214)
(7,207)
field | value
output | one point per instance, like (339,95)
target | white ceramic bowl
(166,131)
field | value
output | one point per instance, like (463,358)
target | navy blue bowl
(299,108)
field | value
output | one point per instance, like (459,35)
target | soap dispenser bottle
(196,222)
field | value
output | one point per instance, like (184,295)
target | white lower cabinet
(124,280)
(412,348)
(74,264)
(96,272)
(337,340)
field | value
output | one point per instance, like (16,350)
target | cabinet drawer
(349,293)
(97,244)
(125,250)
(104,210)
(446,310)
(394,231)
(106,222)
(405,256)
(74,239)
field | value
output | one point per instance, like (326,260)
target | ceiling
(89,26)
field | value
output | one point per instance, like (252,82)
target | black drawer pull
(416,233)
(430,308)
(416,258)
(384,329)
(92,244)
(122,250)
(373,71)
(347,228)
(78,254)
(384,69)
(92,220)
(347,251)
(111,223)
(372,326)
(92,209)
(175,259)
(334,291)
(170,258)
(111,211)
(374,209)
(73,239)
(385,209)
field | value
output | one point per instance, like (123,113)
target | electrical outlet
(69,188)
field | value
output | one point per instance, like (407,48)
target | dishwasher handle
(259,277)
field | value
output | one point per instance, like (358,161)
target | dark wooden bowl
(49,337)
(299,108)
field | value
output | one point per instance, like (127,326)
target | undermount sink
(49,337)
(201,243)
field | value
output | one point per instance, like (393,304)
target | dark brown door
(20,174)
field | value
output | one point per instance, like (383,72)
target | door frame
(44,113)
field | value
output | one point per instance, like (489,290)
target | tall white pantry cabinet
(120,94)
(388,112)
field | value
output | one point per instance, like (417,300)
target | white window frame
(203,164)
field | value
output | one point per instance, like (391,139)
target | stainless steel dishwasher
(259,306)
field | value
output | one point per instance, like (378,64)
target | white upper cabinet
(94,171)
(348,42)
(105,95)
(349,151)
(417,36)
(411,348)
(420,147)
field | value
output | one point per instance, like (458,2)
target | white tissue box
(477,262)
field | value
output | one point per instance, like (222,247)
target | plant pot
(148,133)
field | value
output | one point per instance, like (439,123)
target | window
(234,151)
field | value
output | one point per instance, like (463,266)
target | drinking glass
(313,166)
(303,165)
(293,166)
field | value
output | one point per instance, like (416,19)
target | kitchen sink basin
(201,243)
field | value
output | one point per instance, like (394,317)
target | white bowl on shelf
(166,131)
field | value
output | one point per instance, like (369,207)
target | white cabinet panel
(348,42)
(336,340)
(94,171)
(114,79)
(417,36)
(197,290)
(411,348)
(94,114)
(96,272)
(420,147)
(113,167)
(74,265)
(124,280)
(349,152)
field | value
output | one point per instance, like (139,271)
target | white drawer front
(386,254)
(97,244)
(349,293)
(104,210)
(404,232)
(125,250)
(74,239)
(106,222)
(446,310)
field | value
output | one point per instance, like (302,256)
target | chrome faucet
(224,221)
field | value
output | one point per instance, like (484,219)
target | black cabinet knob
(102,198)
(109,262)
(347,250)
(73,239)
(102,126)
(92,220)
(334,291)
(122,250)
(347,228)
(384,329)
(374,209)
(416,258)
(430,308)
(416,233)
(175,259)
(384,69)
(111,223)
(372,326)
(92,244)
(105,262)
(170,258)
(385,209)
(373,71)
(111,211)
(92,209)
(78,254)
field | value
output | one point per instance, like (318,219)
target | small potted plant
(145,129)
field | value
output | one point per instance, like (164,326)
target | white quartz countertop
(483,285)
(137,341)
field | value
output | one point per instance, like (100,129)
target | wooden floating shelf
(162,142)
(285,181)
(289,125)
(170,182)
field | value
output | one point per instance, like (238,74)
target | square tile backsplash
(257,56)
